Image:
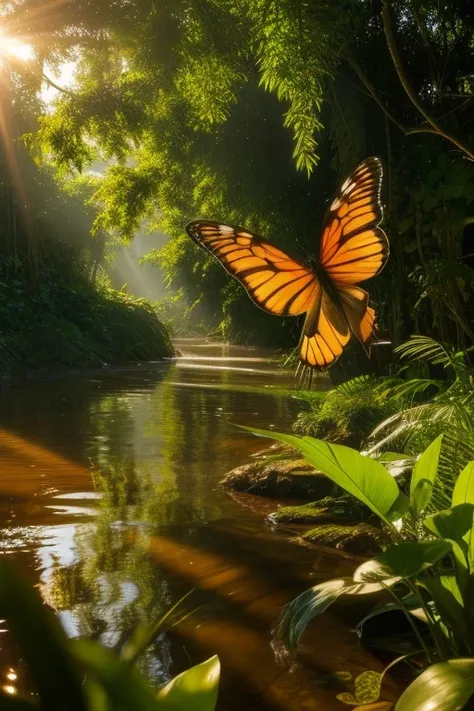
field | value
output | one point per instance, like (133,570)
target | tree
(249,111)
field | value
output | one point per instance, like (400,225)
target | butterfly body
(353,248)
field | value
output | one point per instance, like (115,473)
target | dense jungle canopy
(250,112)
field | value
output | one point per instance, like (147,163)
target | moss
(355,538)
(341,508)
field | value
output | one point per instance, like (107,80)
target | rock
(362,538)
(343,508)
(287,478)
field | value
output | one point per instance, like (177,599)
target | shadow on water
(109,499)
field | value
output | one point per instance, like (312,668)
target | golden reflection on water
(109,499)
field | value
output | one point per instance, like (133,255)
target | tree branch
(406,130)
(372,90)
(56,86)
(409,90)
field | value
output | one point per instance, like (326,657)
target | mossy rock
(340,508)
(359,538)
(288,478)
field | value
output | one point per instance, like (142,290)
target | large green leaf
(42,643)
(363,477)
(193,690)
(300,611)
(125,687)
(446,686)
(13,703)
(424,476)
(455,525)
(463,493)
(402,560)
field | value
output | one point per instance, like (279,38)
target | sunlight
(9,46)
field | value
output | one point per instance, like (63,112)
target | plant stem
(431,621)
(412,624)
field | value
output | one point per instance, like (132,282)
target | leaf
(363,477)
(447,597)
(125,687)
(145,635)
(313,602)
(454,525)
(194,690)
(347,698)
(343,675)
(464,493)
(464,488)
(445,686)
(42,643)
(402,560)
(451,524)
(421,496)
(399,508)
(13,703)
(367,687)
(425,470)
(410,603)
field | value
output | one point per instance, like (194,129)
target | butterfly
(353,248)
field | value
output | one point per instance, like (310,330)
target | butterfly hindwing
(276,282)
(325,332)
(353,247)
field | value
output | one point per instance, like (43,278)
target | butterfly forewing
(353,247)
(276,282)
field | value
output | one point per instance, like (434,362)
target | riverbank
(66,321)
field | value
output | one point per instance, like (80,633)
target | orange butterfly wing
(274,281)
(353,248)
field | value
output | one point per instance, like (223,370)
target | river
(109,499)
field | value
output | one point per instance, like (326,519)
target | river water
(109,499)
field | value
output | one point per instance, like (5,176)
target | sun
(10,46)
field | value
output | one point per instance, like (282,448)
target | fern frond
(399,388)
(425,349)
(353,386)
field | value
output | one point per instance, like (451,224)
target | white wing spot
(348,187)
(226,229)
(336,204)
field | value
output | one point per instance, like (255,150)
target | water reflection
(109,498)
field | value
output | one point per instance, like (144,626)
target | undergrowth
(59,318)
(347,414)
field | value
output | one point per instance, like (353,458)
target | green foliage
(437,574)
(348,413)
(427,407)
(446,686)
(364,478)
(222,109)
(83,675)
(66,320)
